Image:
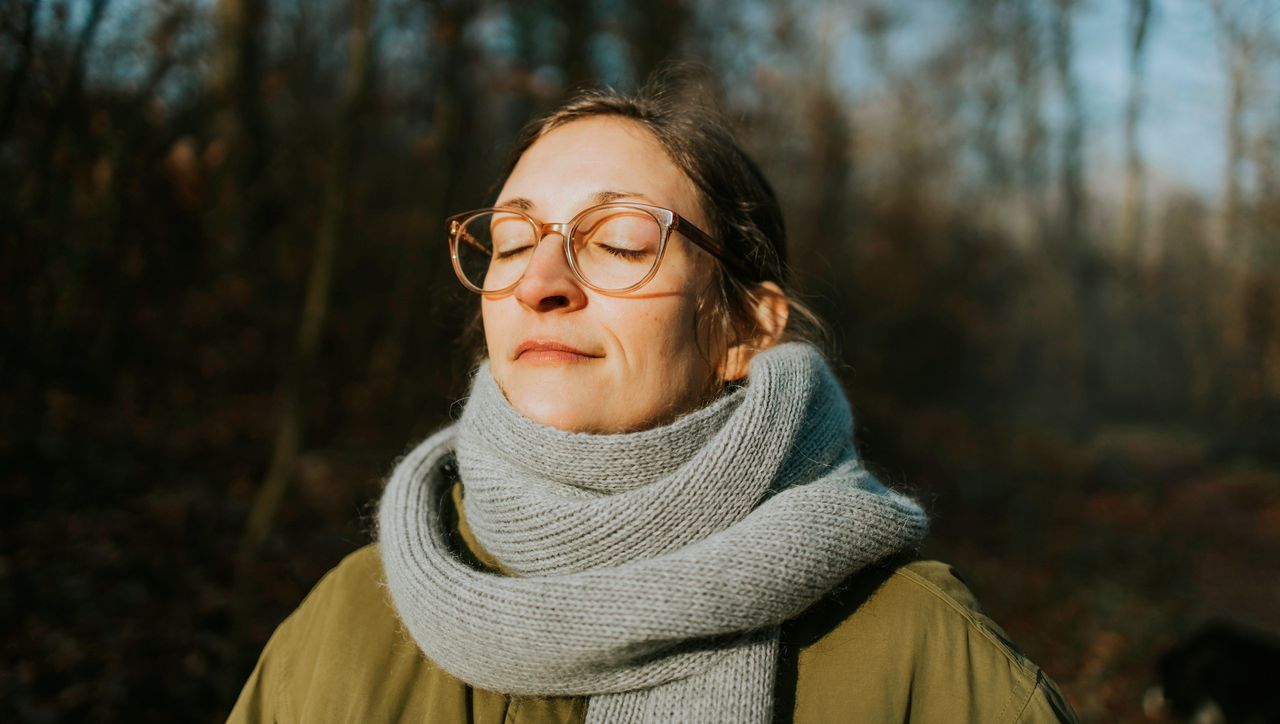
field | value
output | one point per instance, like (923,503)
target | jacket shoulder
(910,642)
(343,655)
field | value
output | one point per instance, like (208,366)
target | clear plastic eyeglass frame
(667,219)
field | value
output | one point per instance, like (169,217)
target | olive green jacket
(901,642)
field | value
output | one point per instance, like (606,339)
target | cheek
(664,344)
(676,325)
(497,330)
(493,322)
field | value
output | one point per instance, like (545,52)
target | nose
(549,284)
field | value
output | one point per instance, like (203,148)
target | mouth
(551,351)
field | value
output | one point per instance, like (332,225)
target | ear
(769,306)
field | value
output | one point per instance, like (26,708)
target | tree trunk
(424,265)
(1080,323)
(1133,213)
(658,35)
(579,26)
(1233,244)
(240,123)
(54,197)
(13,92)
(68,100)
(289,425)
(1071,151)
(1032,133)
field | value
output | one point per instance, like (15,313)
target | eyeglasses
(613,248)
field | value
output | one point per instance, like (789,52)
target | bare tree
(289,427)
(13,91)
(1133,213)
(240,123)
(830,151)
(1071,148)
(658,33)
(986,36)
(67,104)
(438,188)
(579,24)
(1244,336)
(1238,47)
(1029,64)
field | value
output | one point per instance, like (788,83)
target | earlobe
(771,311)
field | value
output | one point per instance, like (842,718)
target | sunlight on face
(583,361)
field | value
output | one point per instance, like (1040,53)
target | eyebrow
(517,203)
(599,197)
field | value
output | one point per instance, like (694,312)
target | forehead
(566,168)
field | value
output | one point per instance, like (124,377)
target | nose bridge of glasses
(553,227)
(543,230)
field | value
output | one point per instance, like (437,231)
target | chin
(560,411)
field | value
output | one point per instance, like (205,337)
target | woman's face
(579,360)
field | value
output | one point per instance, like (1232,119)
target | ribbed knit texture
(652,568)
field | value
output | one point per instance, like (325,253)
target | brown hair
(741,207)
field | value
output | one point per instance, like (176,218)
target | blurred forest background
(1043,231)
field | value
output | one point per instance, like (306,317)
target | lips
(551,350)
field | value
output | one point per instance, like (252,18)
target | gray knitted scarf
(651,569)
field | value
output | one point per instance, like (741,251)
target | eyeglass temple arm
(461,232)
(699,237)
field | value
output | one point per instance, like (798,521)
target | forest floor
(1112,551)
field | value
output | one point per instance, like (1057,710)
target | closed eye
(509,253)
(629,254)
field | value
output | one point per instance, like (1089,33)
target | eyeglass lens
(613,248)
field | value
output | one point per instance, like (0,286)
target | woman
(650,508)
